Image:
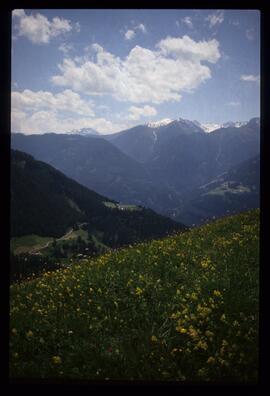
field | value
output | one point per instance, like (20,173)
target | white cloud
(188,22)
(138,112)
(250,34)
(65,47)
(141,27)
(144,75)
(42,111)
(186,48)
(38,29)
(67,100)
(50,121)
(130,34)
(215,19)
(18,13)
(250,77)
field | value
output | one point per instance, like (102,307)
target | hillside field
(184,308)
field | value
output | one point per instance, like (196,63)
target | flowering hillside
(184,308)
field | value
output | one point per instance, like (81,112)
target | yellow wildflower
(193,333)
(154,338)
(29,334)
(205,262)
(217,293)
(202,345)
(181,330)
(223,318)
(56,360)
(138,291)
(194,296)
(210,360)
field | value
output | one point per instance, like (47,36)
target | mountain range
(231,192)
(159,166)
(45,202)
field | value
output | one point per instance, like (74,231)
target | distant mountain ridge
(234,191)
(99,165)
(45,202)
(206,127)
(85,132)
(157,167)
(210,127)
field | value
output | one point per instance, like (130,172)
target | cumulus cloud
(49,121)
(43,111)
(250,77)
(215,19)
(67,100)
(138,112)
(188,22)
(130,34)
(144,75)
(141,27)
(38,29)
(65,47)
(186,48)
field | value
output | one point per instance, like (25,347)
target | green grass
(74,235)
(37,244)
(28,243)
(181,308)
(225,189)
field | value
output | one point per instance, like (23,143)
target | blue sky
(113,69)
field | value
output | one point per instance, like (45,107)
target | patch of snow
(157,124)
(210,127)
(84,132)
(155,136)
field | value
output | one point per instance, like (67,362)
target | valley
(159,167)
(55,220)
(135,209)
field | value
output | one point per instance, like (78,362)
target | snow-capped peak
(210,127)
(157,124)
(84,132)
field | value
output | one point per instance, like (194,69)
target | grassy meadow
(184,308)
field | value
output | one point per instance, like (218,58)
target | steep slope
(185,308)
(183,156)
(46,202)
(187,161)
(157,167)
(232,192)
(141,141)
(98,165)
